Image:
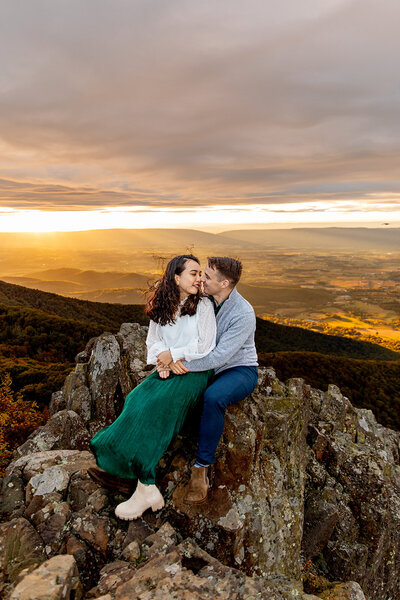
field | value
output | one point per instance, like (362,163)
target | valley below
(331,284)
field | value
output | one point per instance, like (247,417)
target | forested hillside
(41,333)
(273,337)
(109,316)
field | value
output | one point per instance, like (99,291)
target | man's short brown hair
(229,268)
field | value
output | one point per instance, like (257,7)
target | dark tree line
(367,383)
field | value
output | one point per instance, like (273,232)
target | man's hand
(164,359)
(178,368)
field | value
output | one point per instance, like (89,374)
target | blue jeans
(228,388)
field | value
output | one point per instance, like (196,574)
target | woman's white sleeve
(207,331)
(154,343)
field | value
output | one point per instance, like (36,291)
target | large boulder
(33,473)
(103,374)
(344,591)
(254,516)
(106,371)
(55,579)
(132,340)
(64,430)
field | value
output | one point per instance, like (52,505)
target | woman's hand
(178,368)
(163,373)
(164,359)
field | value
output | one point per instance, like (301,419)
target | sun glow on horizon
(212,217)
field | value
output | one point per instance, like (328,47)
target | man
(234,360)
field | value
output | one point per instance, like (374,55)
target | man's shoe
(197,488)
(111,482)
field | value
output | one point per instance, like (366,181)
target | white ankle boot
(144,497)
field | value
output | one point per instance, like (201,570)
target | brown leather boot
(197,488)
(111,482)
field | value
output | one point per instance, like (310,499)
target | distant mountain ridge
(181,240)
(273,337)
(321,238)
(176,240)
(100,286)
(93,279)
(129,288)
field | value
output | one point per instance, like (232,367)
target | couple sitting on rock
(203,346)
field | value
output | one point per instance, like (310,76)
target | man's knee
(213,399)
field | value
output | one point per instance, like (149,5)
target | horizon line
(217,229)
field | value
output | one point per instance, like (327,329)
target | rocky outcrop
(305,486)
(21,547)
(65,429)
(254,519)
(352,508)
(55,579)
(186,571)
(106,371)
(344,591)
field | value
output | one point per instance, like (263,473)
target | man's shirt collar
(216,306)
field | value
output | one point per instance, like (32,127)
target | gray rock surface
(64,430)
(16,490)
(254,519)
(189,572)
(55,579)
(53,479)
(106,371)
(21,547)
(352,508)
(344,591)
(303,480)
(103,373)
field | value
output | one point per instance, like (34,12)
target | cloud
(185,103)
(22,196)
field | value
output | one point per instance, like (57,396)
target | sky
(147,113)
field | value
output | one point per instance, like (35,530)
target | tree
(18,419)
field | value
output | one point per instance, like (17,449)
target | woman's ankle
(146,485)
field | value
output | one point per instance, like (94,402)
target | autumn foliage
(18,418)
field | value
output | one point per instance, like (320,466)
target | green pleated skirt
(153,414)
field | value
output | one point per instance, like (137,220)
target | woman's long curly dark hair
(165,297)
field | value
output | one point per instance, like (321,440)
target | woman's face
(189,280)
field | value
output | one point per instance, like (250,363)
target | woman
(182,325)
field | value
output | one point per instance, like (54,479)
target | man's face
(212,281)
